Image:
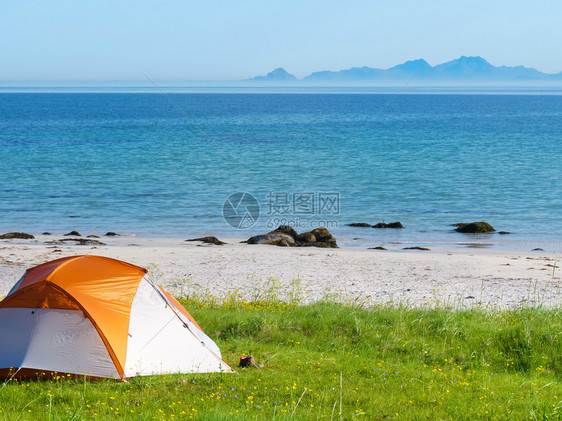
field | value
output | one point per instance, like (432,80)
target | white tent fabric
(161,340)
(73,344)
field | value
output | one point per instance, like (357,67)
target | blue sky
(227,40)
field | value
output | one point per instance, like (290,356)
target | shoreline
(347,237)
(461,277)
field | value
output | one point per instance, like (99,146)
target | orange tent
(100,317)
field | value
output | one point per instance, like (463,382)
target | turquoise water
(137,163)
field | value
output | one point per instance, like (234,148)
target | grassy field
(332,361)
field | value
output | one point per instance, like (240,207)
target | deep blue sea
(163,165)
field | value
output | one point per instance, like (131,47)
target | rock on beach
(474,227)
(286,236)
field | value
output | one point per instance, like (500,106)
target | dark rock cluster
(18,235)
(377,225)
(77,241)
(208,240)
(389,225)
(286,236)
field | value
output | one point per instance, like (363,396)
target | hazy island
(461,69)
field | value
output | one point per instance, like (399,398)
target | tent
(99,317)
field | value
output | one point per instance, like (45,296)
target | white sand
(456,276)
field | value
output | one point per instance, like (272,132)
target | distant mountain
(463,68)
(412,66)
(278,74)
(469,68)
(355,73)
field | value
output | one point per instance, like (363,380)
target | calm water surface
(135,163)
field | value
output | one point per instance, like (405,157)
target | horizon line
(261,78)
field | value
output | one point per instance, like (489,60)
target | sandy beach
(461,277)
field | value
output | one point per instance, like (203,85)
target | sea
(236,162)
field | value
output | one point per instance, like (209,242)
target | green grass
(379,363)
